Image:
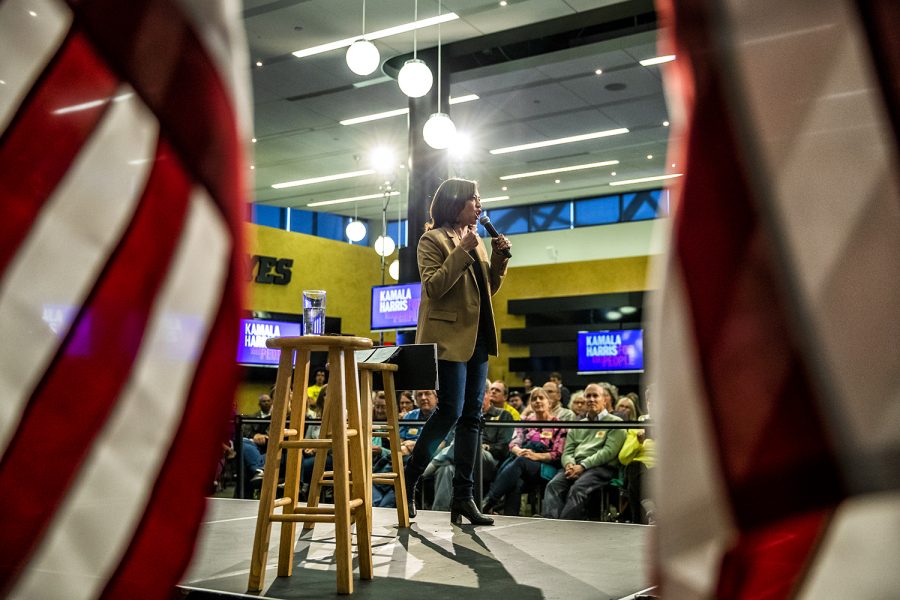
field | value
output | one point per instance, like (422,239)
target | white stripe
(95,523)
(827,156)
(695,522)
(221,29)
(858,554)
(28,44)
(68,245)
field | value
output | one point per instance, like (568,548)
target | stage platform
(519,558)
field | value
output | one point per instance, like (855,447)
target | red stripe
(772,449)
(38,147)
(754,373)
(766,563)
(164,542)
(81,387)
(160,55)
(151,45)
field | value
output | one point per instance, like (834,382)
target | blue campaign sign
(396,306)
(611,351)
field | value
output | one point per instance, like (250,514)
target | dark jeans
(566,498)
(634,476)
(516,476)
(459,404)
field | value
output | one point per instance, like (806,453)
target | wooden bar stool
(321,477)
(343,432)
(393,477)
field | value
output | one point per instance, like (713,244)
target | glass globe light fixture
(439,131)
(384,245)
(394,269)
(356,230)
(363,57)
(415,78)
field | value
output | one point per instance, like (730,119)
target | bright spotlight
(461,145)
(383,160)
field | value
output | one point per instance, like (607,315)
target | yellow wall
(348,272)
(559,279)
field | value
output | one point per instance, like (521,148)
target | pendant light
(362,55)
(439,129)
(415,77)
(356,229)
(384,245)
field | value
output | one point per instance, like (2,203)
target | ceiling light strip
(400,111)
(565,140)
(595,165)
(376,35)
(375,117)
(353,199)
(656,60)
(299,182)
(494,199)
(644,179)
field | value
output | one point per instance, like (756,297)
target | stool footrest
(290,432)
(312,514)
(282,502)
(306,444)
(384,478)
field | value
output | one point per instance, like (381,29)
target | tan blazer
(448,314)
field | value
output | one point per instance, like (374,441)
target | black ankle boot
(411,506)
(468,509)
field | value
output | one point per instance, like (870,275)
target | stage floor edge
(519,558)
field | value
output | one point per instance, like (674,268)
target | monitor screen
(613,351)
(252,349)
(395,306)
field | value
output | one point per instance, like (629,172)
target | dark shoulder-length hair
(449,199)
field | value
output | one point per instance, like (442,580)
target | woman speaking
(458,281)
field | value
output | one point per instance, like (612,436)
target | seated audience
(564,394)
(494,450)
(497,392)
(319,382)
(609,394)
(537,452)
(528,383)
(590,461)
(638,454)
(556,409)
(515,400)
(382,494)
(577,405)
(405,403)
(625,409)
(426,401)
(248,430)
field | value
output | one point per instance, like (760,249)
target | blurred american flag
(122,174)
(777,365)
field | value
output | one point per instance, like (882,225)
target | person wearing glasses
(590,460)
(458,280)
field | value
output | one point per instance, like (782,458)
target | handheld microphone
(489,227)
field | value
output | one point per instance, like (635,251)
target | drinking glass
(313,312)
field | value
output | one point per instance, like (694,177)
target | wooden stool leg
(299,401)
(390,395)
(270,476)
(365,391)
(325,431)
(358,406)
(336,394)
